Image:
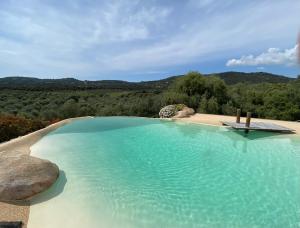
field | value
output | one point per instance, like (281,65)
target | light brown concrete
(19,146)
(216,120)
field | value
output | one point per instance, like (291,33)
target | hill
(230,78)
(28,83)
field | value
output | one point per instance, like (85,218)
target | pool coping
(21,146)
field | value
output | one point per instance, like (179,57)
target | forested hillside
(29,103)
(230,78)
(25,83)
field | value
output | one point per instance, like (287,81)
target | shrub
(14,126)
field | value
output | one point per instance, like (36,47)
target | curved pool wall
(139,172)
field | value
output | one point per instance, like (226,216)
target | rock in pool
(24,176)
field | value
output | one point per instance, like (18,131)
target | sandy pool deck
(216,120)
(19,146)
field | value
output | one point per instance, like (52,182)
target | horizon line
(161,78)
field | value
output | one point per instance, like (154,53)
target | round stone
(24,176)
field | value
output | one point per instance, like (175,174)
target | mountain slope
(254,78)
(230,78)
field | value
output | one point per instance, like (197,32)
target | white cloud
(120,21)
(115,37)
(198,42)
(273,56)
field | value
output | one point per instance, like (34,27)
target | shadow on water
(100,124)
(254,135)
(56,189)
(240,138)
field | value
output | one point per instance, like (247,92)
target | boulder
(168,111)
(185,112)
(24,176)
(176,111)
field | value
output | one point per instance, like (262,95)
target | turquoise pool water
(139,172)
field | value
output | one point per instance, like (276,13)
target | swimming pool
(140,172)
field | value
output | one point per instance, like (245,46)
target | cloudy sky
(146,40)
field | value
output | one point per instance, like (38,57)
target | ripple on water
(139,172)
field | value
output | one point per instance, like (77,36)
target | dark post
(238,115)
(248,120)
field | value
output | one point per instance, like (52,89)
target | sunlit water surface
(138,172)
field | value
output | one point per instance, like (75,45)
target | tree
(212,106)
(200,89)
(191,84)
(70,109)
(203,105)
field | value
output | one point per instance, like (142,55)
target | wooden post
(238,115)
(248,120)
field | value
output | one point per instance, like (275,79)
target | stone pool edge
(21,146)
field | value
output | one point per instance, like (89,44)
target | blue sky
(147,40)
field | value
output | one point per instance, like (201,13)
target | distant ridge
(230,78)
(254,78)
